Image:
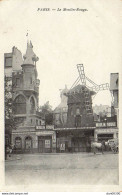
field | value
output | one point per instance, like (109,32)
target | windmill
(86,89)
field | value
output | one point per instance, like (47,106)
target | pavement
(65,169)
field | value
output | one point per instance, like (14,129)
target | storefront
(41,139)
(105,131)
(46,139)
(74,139)
(45,144)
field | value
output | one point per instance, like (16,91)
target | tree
(47,112)
(9,120)
(46,108)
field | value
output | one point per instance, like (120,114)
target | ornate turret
(30,81)
(30,57)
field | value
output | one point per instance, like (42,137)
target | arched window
(36,122)
(28,143)
(32,103)
(77,111)
(19,105)
(18,142)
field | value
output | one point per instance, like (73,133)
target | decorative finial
(27,35)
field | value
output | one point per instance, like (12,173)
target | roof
(30,57)
(114,81)
(79,88)
(74,128)
(62,107)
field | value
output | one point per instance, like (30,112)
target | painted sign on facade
(106,131)
(49,126)
(40,127)
(110,124)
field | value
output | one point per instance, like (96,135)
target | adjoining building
(60,112)
(30,133)
(12,62)
(102,110)
(114,88)
(107,128)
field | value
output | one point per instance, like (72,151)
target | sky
(63,39)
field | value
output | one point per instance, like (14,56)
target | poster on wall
(47,143)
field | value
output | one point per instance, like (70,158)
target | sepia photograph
(61,74)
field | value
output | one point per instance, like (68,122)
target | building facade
(80,126)
(30,133)
(114,88)
(108,128)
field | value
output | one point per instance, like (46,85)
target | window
(78,121)
(8,62)
(31,121)
(19,105)
(18,142)
(32,103)
(36,122)
(28,143)
(17,82)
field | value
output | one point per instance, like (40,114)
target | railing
(29,87)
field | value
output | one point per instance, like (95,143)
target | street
(75,169)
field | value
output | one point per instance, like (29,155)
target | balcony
(27,87)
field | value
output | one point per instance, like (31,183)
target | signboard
(112,124)
(47,143)
(49,126)
(109,124)
(44,133)
(105,131)
(40,127)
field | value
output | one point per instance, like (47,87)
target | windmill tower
(80,95)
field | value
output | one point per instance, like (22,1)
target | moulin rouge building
(74,127)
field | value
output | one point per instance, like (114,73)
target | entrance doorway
(45,144)
(79,144)
(28,144)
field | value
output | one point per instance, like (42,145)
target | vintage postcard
(60,95)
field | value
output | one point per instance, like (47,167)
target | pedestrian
(103,146)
